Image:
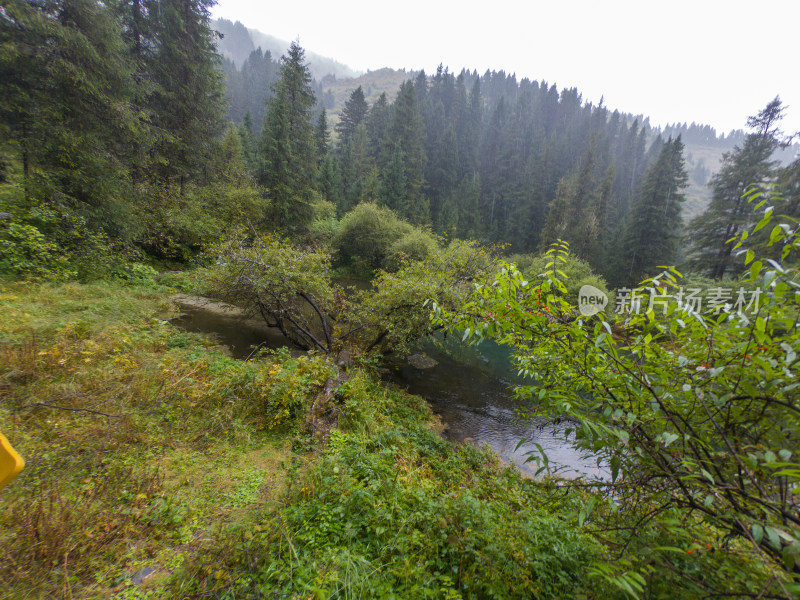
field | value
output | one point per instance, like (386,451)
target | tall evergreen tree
(654,227)
(359,174)
(322,135)
(289,145)
(249,145)
(353,114)
(67,101)
(407,134)
(728,213)
(394,191)
(188,97)
(572,205)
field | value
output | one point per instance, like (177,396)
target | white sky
(710,61)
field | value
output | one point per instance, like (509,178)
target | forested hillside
(492,158)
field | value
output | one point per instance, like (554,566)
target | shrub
(26,253)
(176,228)
(576,270)
(417,244)
(366,235)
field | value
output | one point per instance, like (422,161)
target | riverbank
(158,466)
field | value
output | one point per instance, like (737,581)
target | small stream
(469,389)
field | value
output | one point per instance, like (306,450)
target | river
(469,389)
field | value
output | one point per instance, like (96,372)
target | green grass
(141,440)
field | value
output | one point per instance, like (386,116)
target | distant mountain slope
(373,83)
(239,41)
(336,91)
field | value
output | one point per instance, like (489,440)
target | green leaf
(758,533)
(755,269)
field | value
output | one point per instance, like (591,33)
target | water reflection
(478,407)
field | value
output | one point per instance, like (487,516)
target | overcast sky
(709,61)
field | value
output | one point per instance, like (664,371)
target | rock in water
(421,361)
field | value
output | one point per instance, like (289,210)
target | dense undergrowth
(148,447)
(390,510)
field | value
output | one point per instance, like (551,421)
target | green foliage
(366,235)
(728,214)
(291,288)
(576,273)
(291,387)
(415,245)
(289,145)
(49,241)
(694,415)
(135,273)
(27,254)
(654,228)
(353,114)
(177,227)
(393,308)
(270,278)
(391,510)
(130,428)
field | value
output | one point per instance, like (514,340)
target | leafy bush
(135,273)
(365,236)
(26,253)
(694,414)
(577,273)
(177,228)
(415,245)
(291,387)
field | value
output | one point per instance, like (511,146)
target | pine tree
(595,225)
(468,193)
(394,190)
(289,146)
(728,213)
(188,97)
(407,134)
(654,228)
(572,205)
(322,135)
(353,114)
(67,101)
(249,146)
(330,181)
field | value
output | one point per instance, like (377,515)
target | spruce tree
(67,101)
(249,145)
(188,97)
(728,212)
(654,227)
(573,204)
(394,190)
(322,135)
(289,145)
(407,134)
(353,114)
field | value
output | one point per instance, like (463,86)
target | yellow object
(11,463)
